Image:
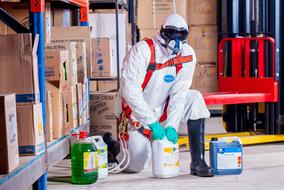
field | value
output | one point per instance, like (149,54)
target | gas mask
(173,38)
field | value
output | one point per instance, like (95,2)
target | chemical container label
(171,157)
(102,157)
(229,158)
(90,161)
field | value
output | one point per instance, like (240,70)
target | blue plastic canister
(226,155)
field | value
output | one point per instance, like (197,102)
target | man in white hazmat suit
(151,86)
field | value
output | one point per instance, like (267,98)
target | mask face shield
(174,38)
(175,46)
(173,33)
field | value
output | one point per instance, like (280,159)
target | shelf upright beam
(84,16)
(117,44)
(37,27)
(84,21)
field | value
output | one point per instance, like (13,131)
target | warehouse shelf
(32,170)
(107,4)
(79,3)
(103,78)
(33,167)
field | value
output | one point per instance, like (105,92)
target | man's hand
(158,132)
(171,134)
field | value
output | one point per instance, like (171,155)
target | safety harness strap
(176,61)
(164,116)
(152,64)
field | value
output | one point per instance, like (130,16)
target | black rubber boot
(196,134)
(113,147)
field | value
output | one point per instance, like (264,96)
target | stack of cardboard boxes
(104,41)
(201,16)
(20,11)
(203,38)
(68,63)
(66,60)
(20,112)
(9,151)
(19,74)
(104,56)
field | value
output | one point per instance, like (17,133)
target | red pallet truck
(240,86)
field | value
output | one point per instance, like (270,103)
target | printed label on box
(12,127)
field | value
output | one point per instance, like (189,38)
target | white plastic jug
(165,159)
(102,156)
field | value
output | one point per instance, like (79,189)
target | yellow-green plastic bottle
(84,161)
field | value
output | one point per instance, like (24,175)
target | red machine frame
(241,88)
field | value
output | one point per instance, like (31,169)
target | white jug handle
(94,139)
(97,138)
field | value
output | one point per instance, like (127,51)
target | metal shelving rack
(33,169)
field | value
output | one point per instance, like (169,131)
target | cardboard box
(80,111)
(146,33)
(57,65)
(93,86)
(101,58)
(49,119)
(3,26)
(107,85)
(47,22)
(18,67)
(100,129)
(102,108)
(9,152)
(14,1)
(85,102)
(73,108)
(151,16)
(20,11)
(74,34)
(62,17)
(66,126)
(203,39)
(205,77)
(111,11)
(128,36)
(103,26)
(81,62)
(71,48)
(202,12)
(57,112)
(128,24)
(30,129)
(102,113)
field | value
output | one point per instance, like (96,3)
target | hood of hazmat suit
(173,34)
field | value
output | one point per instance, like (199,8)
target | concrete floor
(263,169)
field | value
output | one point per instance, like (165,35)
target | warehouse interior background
(60,65)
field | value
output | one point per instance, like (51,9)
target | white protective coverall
(148,106)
